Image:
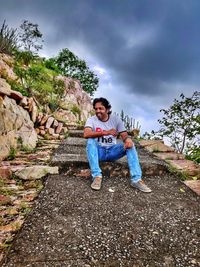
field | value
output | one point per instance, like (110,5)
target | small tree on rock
(30,36)
(181,122)
(70,65)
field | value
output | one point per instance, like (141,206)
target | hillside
(42,114)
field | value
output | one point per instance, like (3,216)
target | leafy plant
(8,39)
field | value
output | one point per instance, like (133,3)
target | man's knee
(91,141)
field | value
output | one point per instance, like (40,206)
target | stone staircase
(71,153)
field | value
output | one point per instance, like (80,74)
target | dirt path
(71,225)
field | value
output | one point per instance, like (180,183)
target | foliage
(181,122)
(151,136)
(24,57)
(40,82)
(12,153)
(70,65)
(193,153)
(30,36)
(8,39)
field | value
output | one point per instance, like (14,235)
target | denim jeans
(96,153)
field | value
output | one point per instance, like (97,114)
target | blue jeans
(96,153)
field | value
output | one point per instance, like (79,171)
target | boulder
(6,71)
(59,128)
(35,172)
(49,122)
(5,88)
(15,123)
(16,95)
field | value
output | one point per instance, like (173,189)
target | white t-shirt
(114,122)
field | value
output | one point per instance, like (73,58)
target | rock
(4,88)
(5,172)
(30,104)
(6,63)
(34,112)
(42,127)
(44,119)
(145,143)
(14,123)
(65,116)
(56,136)
(55,124)
(35,172)
(159,147)
(194,186)
(42,132)
(37,130)
(51,131)
(5,200)
(16,95)
(28,137)
(7,141)
(24,102)
(59,128)
(14,226)
(186,166)
(76,96)
(39,117)
(49,122)
(169,155)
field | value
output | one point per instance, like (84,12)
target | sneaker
(141,186)
(96,184)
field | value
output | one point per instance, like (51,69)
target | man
(101,131)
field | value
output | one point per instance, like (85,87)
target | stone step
(76,133)
(72,153)
(150,166)
(74,141)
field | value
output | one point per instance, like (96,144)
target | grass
(181,174)
(12,153)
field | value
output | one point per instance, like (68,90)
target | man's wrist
(127,137)
(103,132)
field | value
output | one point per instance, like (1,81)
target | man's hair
(104,102)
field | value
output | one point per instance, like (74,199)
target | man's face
(101,111)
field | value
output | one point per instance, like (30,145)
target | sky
(145,52)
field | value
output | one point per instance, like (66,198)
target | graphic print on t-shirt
(104,139)
(96,125)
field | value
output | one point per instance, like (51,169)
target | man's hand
(128,143)
(112,132)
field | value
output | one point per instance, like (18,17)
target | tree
(30,36)
(181,122)
(70,65)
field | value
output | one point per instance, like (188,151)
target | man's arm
(88,133)
(128,143)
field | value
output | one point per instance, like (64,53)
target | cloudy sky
(145,52)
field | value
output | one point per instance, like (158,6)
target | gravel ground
(71,225)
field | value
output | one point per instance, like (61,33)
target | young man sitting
(101,131)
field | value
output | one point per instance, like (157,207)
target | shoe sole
(140,189)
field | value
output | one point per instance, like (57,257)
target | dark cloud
(148,46)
